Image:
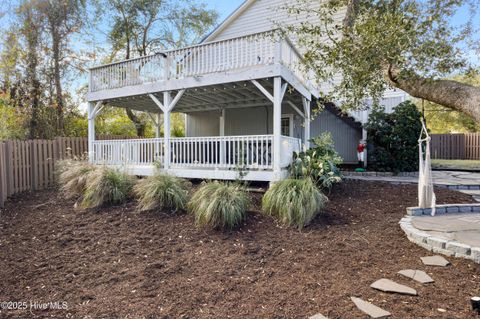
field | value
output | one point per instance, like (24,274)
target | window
(287,125)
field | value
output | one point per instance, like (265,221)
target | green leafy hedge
(393,139)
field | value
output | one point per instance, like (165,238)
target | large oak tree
(406,44)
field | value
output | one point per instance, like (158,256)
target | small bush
(107,186)
(72,176)
(219,205)
(294,202)
(162,191)
(319,163)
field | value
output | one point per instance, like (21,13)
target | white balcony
(190,66)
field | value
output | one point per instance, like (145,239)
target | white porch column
(91,130)
(307,111)
(222,133)
(277,119)
(167,98)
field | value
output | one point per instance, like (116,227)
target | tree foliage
(364,47)
(142,27)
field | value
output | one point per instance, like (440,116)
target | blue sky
(224,7)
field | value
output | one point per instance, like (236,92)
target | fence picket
(456,146)
(30,165)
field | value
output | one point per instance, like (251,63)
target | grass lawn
(120,263)
(456,164)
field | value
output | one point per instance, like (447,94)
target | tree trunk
(57,79)
(32,80)
(459,96)
(139,125)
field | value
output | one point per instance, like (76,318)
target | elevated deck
(256,56)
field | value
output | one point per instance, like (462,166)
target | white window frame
(290,123)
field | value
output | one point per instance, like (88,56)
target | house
(247,101)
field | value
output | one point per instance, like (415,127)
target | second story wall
(259,16)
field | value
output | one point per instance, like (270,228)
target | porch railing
(256,49)
(223,152)
(131,151)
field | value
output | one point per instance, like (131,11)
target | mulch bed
(118,263)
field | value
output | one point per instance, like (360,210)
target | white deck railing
(129,152)
(223,152)
(257,49)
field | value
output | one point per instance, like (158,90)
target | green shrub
(107,186)
(219,205)
(394,138)
(294,202)
(162,191)
(319,163)
(72,176)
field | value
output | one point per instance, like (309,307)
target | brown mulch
(118,263)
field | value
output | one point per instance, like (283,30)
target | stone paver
(462,228)
(370,309)
(388,285)
(435,261)
(318,316)
(417,275)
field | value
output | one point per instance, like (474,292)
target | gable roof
(229,19)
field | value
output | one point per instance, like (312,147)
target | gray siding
(254,120)
(345,137)
(203,123)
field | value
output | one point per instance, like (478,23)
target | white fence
(257,49)
(225,152)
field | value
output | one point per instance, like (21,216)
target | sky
(224,7)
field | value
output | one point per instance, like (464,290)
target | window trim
(289,116)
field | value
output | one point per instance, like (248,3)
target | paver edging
(380,174)
(444,209)
(437,244)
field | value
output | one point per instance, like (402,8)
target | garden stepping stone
(417,275)
(435,261)
(388,285)
(318,316)
(370,309)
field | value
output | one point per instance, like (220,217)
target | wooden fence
(456,146)
(30,165)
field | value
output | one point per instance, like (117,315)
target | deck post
(91,130)
(222,133)
(277,131)
(167,101)
(306,134)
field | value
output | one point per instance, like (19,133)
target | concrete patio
(463,228)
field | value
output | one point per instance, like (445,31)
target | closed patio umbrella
(426,196)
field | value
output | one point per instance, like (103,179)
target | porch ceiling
(228,95)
